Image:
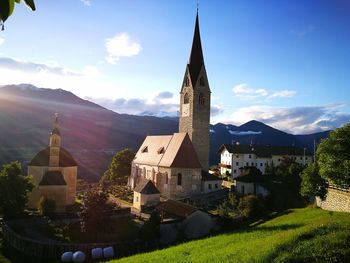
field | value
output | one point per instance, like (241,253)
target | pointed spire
(196,60)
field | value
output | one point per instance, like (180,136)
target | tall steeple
(195,100)
(55,144)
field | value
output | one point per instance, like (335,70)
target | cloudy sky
(286,63)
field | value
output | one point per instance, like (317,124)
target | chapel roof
(42,158)
(53,178)
(176,208)
(146,187)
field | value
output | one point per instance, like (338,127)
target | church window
(209,186)
(237,163)
(179,179)
(201,99)
(166,179)
(186,98)
(250,156)
(216,186)
(144,149)
(242,189)
(201,81)
(187,82)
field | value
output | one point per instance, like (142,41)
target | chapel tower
(55,144)
(195,101)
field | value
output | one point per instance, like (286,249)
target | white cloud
(2,40)
(243,91)
(121,45)
(86,2)
(296,120)
(283,94)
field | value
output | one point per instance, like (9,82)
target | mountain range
(93,133)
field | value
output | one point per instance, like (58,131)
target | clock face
(185,110)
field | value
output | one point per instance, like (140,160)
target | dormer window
(186,98)
(161,150)
(201,99)
(144,149)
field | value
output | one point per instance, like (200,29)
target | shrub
(250,206)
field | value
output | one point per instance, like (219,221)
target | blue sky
(286,63)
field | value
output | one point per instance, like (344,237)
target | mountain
(93,133)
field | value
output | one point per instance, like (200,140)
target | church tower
(195,101)
(55,144)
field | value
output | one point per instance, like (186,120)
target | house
(54,173)
(146,195)
(249,182)
(174,163)
(233,157)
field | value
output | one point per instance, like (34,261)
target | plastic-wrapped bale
(67,256)
(96,253)
(108,252)
(79,257)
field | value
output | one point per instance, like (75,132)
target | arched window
(201,99)
(179,179)
(201,81)
(187,82)
(186,98)
(166,178)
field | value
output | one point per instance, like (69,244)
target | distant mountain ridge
(93,133)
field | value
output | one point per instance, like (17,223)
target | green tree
(7,7)
(95,212)
(333,156)
(46,206)
(120,166)
(14,189)
(151,228)
(250,206)
(312,184)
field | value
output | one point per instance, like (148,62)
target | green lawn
(300,235)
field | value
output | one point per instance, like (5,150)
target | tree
(120,166)
(333,156)
(250,206)
(46,206)
(7,7)
(312,184)
(14,189)
(151,228)
(95,212)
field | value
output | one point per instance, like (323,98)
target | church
(178,164)
(54,173)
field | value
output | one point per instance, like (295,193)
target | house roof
(263,151)
(53,178)
(168,151)
(176,208)
(146,187)
(249,175)
(42,158)
(209,177)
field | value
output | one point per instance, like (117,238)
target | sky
(285,63)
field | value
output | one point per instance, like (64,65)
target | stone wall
(337,200)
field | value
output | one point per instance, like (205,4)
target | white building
(233,157)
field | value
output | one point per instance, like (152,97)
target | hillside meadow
(298,235)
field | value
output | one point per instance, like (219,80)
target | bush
(250,206)
(46,206)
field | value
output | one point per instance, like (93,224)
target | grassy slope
(306,234)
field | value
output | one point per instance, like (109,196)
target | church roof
(42,158)
(53,178)
(168,151)
(146,187)
(196,60)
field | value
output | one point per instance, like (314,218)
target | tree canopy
(14,189)
(120,166)
(7,7)
(333,156)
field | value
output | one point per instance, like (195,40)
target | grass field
(299,235)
